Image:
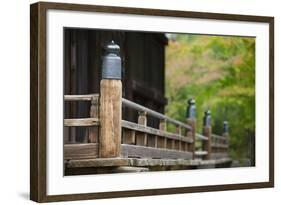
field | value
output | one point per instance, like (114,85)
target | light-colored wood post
(110,103)
(162,141)
(207,132)
(191,120)
(179,132)
(94,112)
(141,138)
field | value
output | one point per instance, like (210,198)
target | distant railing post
(225,133)
(191,120)
(207,131)
(110,103)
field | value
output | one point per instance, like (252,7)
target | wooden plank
(80,151)
(136,162)
(94,113)
(152,140)
(110,118)
(153,131)
(150,152)
(99,162)
(81,122)
(218,155)
(207,131)
(141,137)
(201,153)
(162,141)
(192,134)
(219,146)
(129,136)
(88,97)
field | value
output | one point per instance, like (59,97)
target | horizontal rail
(153,131)
(131,151)
(218,137)
(90,151)
(81,122)
(201,153)
(81,151)
(87,97)
(201,137)
(219,146)
(150,112)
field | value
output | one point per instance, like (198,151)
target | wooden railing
(109,136)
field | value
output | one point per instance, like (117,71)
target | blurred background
(219,73)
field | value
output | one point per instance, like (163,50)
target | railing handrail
(153,113)
(85,97)
(201,137)
(218,136)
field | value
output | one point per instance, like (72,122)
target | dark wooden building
(143,70)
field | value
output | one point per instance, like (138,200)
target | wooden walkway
(114,142)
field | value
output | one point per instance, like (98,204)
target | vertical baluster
(162,141)
(207,131)
(141,138)
(179,132)
(191,120)
(94,131)
(110,103)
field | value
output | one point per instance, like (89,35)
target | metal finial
(225,126)
(111,62)
(191,109)
(207,118)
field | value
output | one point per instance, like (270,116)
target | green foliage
(219,73)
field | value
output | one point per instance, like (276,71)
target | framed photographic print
(134,102)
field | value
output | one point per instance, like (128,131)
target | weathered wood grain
(88,97)
(133,163)
(141,137)
(99,162)
(150,152)
(81,122)
(153,131)
(207,132)
(128,136)
(94,113)
(192,122)
(80,151)
(110,118)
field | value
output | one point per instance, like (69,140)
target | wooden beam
(80,151)
(88,97)
(150,152)
(141,137)
(94,113)
(110,118)
(153,131)
(81,122)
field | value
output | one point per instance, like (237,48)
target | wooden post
(110,103)
(141,138)
(162,141)
(94,131)
(191,120)
(207,132)
(226,134)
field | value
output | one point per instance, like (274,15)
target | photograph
(137,102)
(149,101)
